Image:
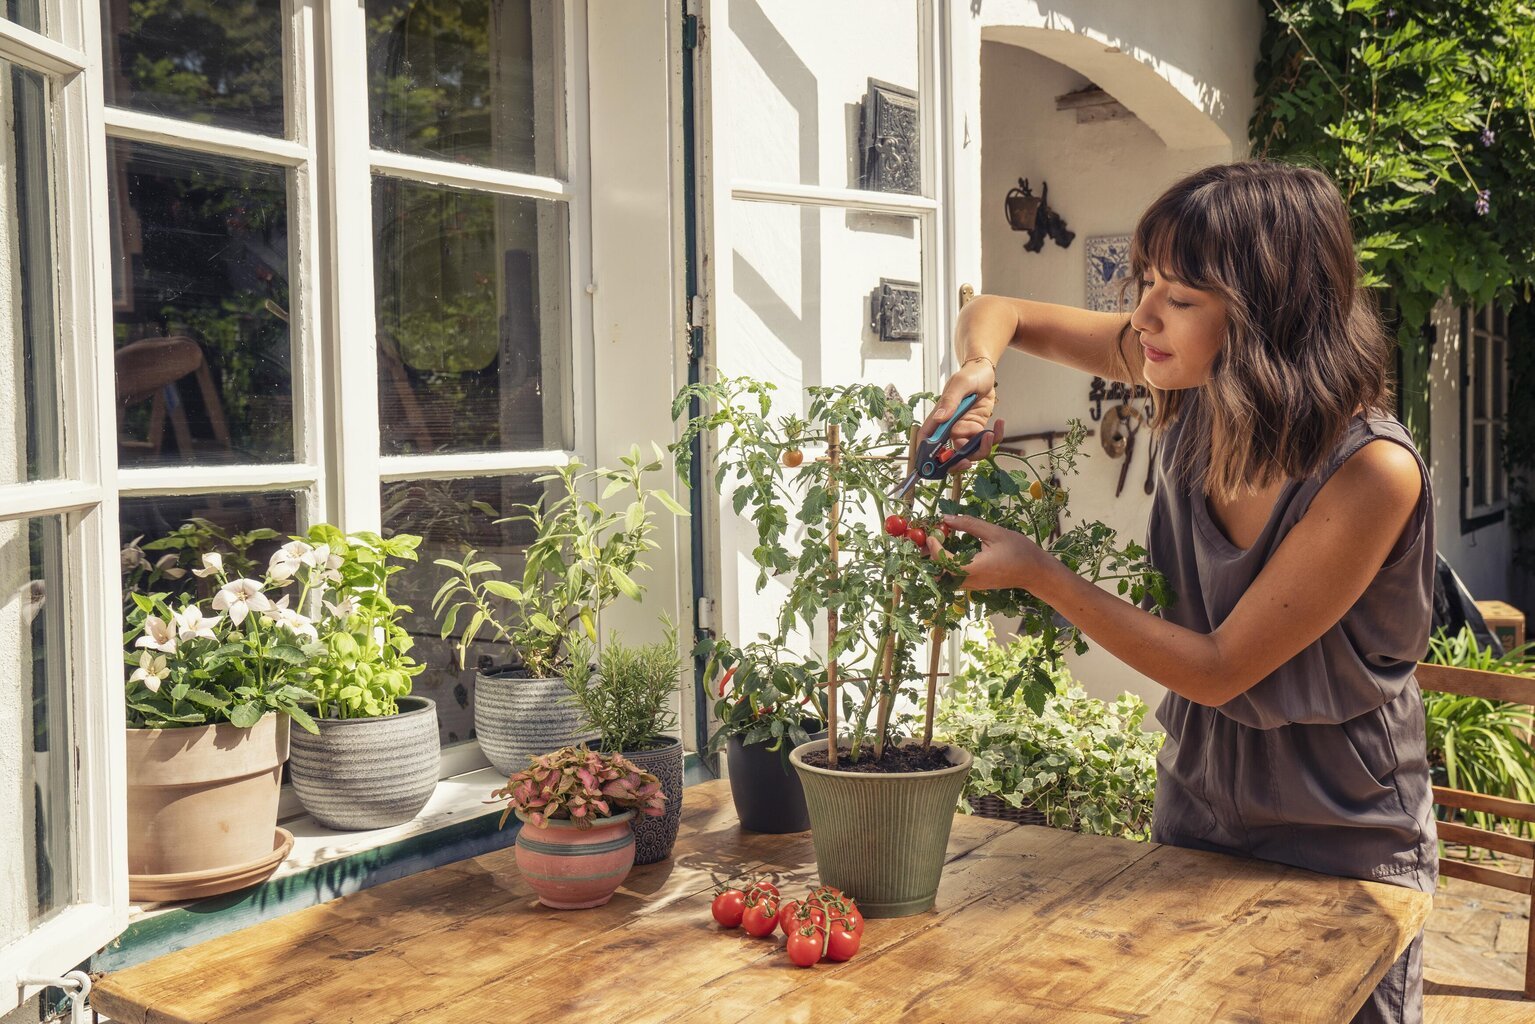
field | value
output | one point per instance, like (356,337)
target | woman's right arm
(991,324)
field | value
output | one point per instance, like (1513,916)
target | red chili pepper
(726,678)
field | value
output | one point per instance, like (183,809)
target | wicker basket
(995,807)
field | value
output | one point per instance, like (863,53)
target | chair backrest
(1499,686)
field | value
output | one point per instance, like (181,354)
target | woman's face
(1181,329)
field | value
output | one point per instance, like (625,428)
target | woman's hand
(1007,558)
(972,378)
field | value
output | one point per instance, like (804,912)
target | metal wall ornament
(1031,213)
(1118,392)
(895,310)
(888,141)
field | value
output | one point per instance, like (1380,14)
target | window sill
(456,823)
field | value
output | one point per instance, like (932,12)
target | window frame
(1475,377)
(85,496)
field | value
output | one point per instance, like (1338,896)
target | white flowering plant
(249,652)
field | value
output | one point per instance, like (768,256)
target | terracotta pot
(201,800)
(882,838)
(573,868)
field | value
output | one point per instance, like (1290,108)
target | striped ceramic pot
(573,868)
(517,718)
(882,838)
(362,773)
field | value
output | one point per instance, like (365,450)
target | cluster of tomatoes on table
(825,925)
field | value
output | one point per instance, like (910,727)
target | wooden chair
(1446,1002)
(148,370)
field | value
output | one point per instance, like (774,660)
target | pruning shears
(936,453)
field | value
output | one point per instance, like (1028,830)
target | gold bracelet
(988,359)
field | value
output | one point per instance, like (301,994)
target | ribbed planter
(653,837)
(363,773)
(202,807)
(881,838)
(572,868)
(518,718)
(765,788)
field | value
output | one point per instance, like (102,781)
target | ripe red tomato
(760,917)
(729,906)
(948,531)
(895,525)
(918,536)
(763,886)
(842,942)
(787,911)
(849,915)
(793,457)
(804,947)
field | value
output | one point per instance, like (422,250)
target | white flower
(169,566)
(287,559)
(151,670)
(344,609)
(213,563)
(158,635)
(191,625)
(239,598)
(291,620)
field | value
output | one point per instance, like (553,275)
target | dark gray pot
(765,787)
(517,718)
(362,773)
(653,837)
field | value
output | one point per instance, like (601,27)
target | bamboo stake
(939,635)
(834,450)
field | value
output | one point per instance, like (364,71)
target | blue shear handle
(942,433)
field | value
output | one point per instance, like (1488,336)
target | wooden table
(1032,924)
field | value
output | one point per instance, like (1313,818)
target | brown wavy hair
(1305,347)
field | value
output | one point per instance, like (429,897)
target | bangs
(1176,239)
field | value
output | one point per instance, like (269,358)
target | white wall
(1483,558)
(1101,176)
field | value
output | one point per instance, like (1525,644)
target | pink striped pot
(573,868)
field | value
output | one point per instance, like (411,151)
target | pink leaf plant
(580,785)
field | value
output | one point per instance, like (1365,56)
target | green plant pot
(881,838)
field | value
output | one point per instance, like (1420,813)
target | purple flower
(1483,201)
(1488,135)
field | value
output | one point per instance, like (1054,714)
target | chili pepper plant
(860,581)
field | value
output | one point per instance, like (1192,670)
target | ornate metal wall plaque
(895,310)
(889,160)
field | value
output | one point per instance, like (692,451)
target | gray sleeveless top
(1322,764)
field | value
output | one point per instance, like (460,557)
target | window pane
(35,875)
(474,81)
(1498,385)
(1478,465)
(451,517)
(200,300)
(212,61)
(1478,375)
(1499,475)
(31,434)
(472,331)
(153,561)
(26,13)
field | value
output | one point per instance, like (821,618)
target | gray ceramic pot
(362,773)
(518,718)
(653,837)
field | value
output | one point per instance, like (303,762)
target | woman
(1300,550)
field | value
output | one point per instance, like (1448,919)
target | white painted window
(345,241)
(63,880)
(1484,394)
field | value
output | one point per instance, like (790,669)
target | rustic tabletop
(1031,924)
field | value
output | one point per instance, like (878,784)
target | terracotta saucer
(192,885)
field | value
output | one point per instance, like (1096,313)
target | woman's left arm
(1320,569)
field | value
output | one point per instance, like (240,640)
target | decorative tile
(1108,265)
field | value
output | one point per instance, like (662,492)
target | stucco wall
(1101,176)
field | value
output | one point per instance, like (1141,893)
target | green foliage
(366,665)
(1424,114)
(583,558)
(878,635)
(1084,764)
(1478,744)
(627,694)
(766,693)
